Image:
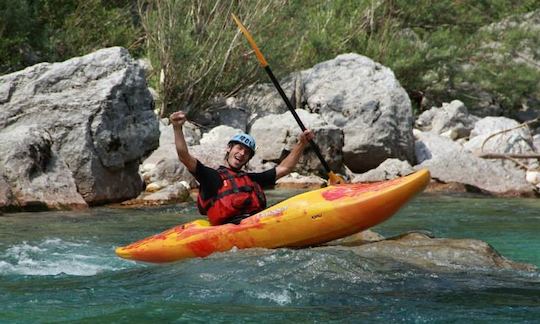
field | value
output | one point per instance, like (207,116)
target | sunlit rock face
(88,121)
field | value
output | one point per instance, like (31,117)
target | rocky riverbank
(83,132)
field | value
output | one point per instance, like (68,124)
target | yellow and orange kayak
(308,219)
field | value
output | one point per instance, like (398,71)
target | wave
(54,256)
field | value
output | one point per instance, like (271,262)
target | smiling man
(228,194)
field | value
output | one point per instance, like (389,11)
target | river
(61,267)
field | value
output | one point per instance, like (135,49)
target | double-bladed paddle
(332,177)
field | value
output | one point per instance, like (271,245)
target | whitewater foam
(54,256)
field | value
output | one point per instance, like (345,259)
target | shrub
(56,30)
(198,50)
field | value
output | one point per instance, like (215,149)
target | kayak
(308,219)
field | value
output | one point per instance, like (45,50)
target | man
(228,194)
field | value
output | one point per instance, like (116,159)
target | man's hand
(178,119)
(305,137)
(287,165)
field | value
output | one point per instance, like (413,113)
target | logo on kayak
(316,216)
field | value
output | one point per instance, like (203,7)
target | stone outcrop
(459,148)
(451,120)
(277,133)
(450,162)
(79,128)
(162,168)
(365,100)
(74,134)
(34,177)
(439,254)
(389,169)
(351,93)
(500,135)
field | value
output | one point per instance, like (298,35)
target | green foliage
(506,65)
(446,54)
(17,23)
(34,31)
(91,26)
(197,49)
(439,49)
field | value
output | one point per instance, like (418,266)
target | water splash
(54,256)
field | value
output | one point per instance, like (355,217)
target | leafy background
(439,50)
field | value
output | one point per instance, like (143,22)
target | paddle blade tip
(335,179)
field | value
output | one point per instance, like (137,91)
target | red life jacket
(239,195)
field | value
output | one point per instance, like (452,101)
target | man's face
(239,155)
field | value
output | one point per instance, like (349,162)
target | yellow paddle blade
(251,42)
(334,179)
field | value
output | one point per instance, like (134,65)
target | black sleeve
(209,180)
(265,179)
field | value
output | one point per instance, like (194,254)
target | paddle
(332,177)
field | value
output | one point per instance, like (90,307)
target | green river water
(61,267)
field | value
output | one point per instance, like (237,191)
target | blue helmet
(244,139)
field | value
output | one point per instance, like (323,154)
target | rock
(170,194)
(230,112)
(277,134)
(6,196)
(437,186)
(166,172)
(154,186)
(98,113)
(365,100)
(424,120)
(536,142)
(389,169)
(297,181)
(262,100)
(449,162)
(351,93)
(517,140)
(533,177)
(364,237)
(146,65)
(162,167)
(219,135)
(177,192)
(192,134)
(213,146)
(451,120)
(440,253)
(33,176)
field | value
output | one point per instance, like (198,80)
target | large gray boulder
(352,93)
(450,162)
(364,98)
(32,175)
(276,134)
(94,121)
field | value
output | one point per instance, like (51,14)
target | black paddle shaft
(314,145)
